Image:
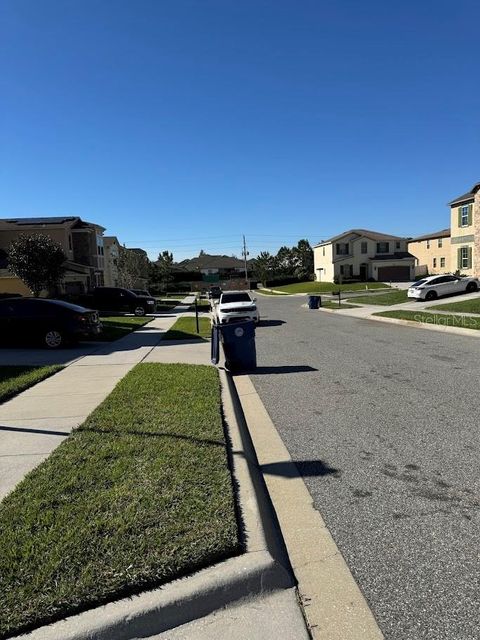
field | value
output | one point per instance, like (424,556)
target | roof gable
(466,197)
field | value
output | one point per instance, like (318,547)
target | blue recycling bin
(238,341)
(314,302)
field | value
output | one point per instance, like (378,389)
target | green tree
(133,268)
(37,260)
(303,256)
(286,261)
(264,267)
(165,269)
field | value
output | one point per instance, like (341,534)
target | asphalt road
(383,422)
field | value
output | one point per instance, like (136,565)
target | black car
(119,300)
(215,292)
(53,323)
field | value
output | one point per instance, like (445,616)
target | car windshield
(235,297)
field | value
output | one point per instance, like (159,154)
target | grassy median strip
(115,327)
(467,306)
(186,329)
(15,379)
(326,287)
(425,317)
(392,297)
(140,494)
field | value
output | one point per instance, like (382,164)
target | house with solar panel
(82,243)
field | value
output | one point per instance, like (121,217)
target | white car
(236,305)
(437,286)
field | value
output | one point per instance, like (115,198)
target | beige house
(465,232)
(360,254)
(82,243)
(432,253)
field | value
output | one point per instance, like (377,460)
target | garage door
(394,274)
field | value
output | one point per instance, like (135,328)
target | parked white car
(437,286)
(234,306)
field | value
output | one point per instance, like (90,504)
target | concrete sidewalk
(36,421)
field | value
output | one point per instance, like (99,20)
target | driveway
(391,413)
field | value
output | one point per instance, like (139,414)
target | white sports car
(437,286)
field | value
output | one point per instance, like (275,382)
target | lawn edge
(263,567)
(425,325)
(14,394)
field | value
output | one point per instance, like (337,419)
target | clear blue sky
(182,124)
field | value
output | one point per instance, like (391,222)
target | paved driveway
(392,414)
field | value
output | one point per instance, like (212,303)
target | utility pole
(245,254)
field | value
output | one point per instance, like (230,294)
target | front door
(363,272)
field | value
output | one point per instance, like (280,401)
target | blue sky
(182,124)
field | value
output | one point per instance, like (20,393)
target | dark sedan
(53,323)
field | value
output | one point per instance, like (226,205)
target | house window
(397,244)
(464,217)
(364,247)
(70,242)
(383,247)
(440,243)
(464,258)
(442,262)
(342,249)
(428,244)
(434,263)
(323,251)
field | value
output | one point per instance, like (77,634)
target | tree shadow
(300,368)
(271,323)
(291,469)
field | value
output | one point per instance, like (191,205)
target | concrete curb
(262,568)
(334,606)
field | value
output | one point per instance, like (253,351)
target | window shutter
(470,207)
(469,257)
(459,216)
(459,258)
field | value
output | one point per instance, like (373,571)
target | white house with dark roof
(361,254)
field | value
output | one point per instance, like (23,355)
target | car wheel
(431,295)
(53,339)
(471,287)
(139,311)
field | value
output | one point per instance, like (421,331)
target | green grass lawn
(326,287)
(186,329)
(466,322)
(467,306)
(140,494)
(15,379)
(393,297)
(331,304)
(115,327)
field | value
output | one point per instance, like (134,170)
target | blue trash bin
(238,341)
(313,302)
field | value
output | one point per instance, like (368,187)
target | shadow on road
(290,469)
(271,323)
(295,368)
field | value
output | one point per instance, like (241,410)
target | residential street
(391,413)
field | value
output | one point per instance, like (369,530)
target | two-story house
(82,243)
(432,253)
(360,254)
(465,232)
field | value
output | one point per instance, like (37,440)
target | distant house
(360,254)
(432,253)
(82,243)
(215,268)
